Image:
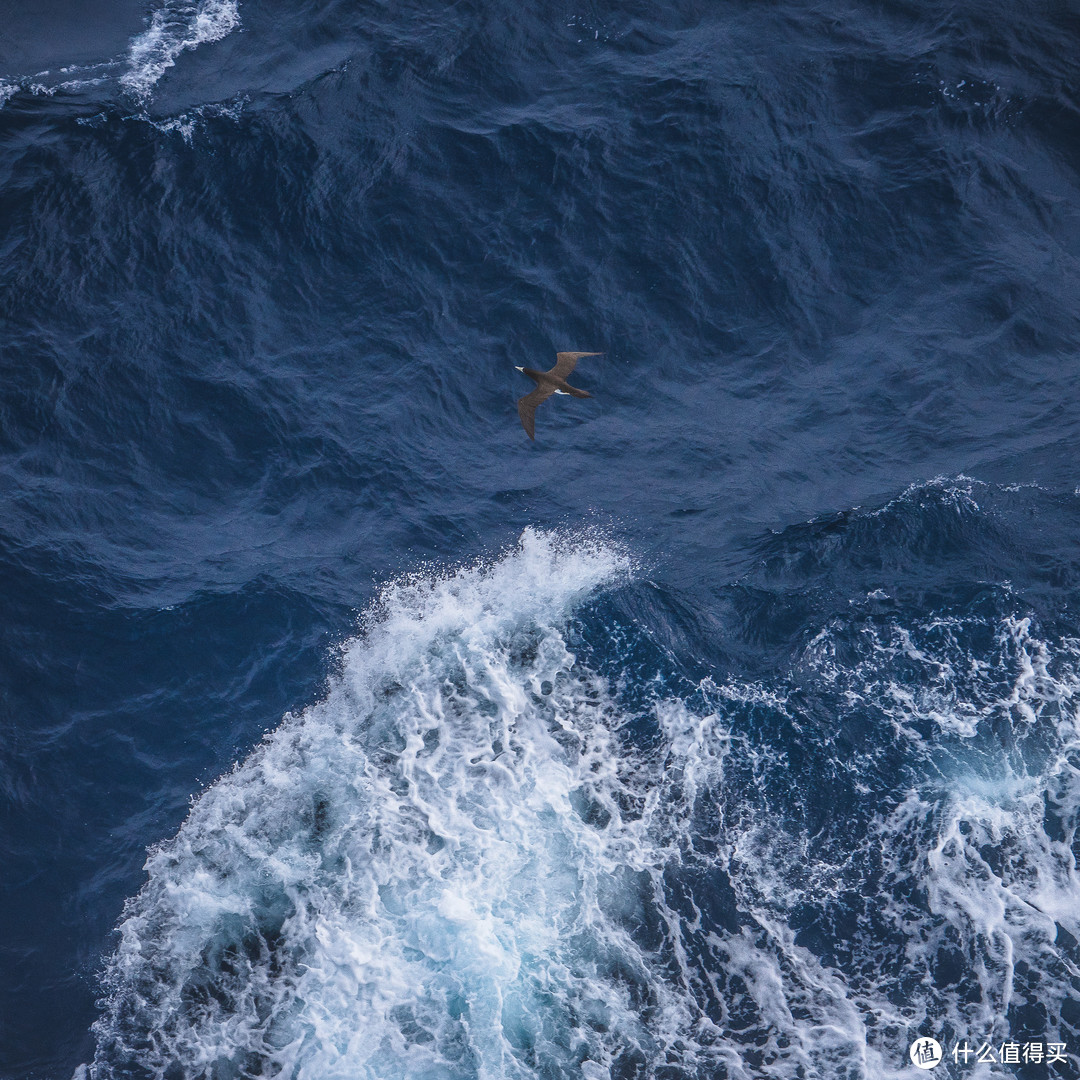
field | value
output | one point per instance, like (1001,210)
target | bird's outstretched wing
(565,362)
(527,408)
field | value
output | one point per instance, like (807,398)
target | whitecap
(432,873)
(460,866)
(174,28)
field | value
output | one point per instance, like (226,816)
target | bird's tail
(575,392)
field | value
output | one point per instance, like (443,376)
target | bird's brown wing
(565,362)
(527,408)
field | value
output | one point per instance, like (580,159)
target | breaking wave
(474,859)
(174,28)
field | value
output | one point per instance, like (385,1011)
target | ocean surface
(728,731)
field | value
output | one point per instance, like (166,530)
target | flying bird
(549,382)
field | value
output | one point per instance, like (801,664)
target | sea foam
(174,28)
(466,863)
(429,874)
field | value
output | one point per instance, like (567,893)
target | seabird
(548,383)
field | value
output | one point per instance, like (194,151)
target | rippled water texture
(727,730)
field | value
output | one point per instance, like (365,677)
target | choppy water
(729,730)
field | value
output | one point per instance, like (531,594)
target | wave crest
(434,872)
(175,28)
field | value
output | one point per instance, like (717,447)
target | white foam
(174,28)
(177,26)
(957,492)
(45,84)
(427,875)
(189,123)
(455,867)
(967,861)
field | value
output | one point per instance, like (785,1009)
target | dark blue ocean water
(729,730)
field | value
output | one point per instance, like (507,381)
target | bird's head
(516,368)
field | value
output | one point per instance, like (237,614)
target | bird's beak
(516,368)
